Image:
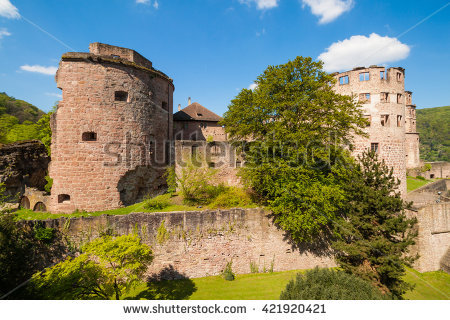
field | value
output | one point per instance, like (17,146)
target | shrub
(232,197)
(327,284)
(227,273)
(157,203)
(420,178)
(171,179)
(46,235)
(48,186)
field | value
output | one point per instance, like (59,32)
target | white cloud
(52,94)
(156,4)
(253,86)
(143,1)
(262,4)
(8,10)
(39,69)
(363,51)
(4,32)
(328,10)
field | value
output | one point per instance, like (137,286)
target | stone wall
(219,155)
(201,243)
(197,130)
(433,241)
(111,132)
(23,164)
(429,194)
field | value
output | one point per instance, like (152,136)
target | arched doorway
(40,207)
(25,203)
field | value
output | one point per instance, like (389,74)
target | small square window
(63,198)
(399,98)
(382,76)
(199,115)
(238,164)
(374,147)
(384,97)
(364,76)
(399,76)
(89,136)
(343,80)
(164,105)
(364,97)
(121,96)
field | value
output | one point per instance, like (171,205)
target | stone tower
(112,131)
(386,105)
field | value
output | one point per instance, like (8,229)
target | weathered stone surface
(200,243)
(396,137)
(23,164)
(112,131)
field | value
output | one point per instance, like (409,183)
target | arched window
(25,203)
(40,207)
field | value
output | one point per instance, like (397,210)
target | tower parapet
(112,130)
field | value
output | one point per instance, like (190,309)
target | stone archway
(25,203)
(40,207)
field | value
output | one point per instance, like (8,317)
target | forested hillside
(433,124)
(20,120)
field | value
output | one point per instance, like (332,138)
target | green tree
(107,268)
(296,125)
(328,284)
(375,234)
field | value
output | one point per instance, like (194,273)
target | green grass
(175,204)
(26,214)
(428,285)
(413,183)
(268,286)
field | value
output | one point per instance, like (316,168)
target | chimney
(189,101)
(179,107)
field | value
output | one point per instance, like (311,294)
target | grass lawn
(414,183)
(429,285)
(268,286)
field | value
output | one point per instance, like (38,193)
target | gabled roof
(196,112)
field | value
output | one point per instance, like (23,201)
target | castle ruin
(390,113)
(112,130)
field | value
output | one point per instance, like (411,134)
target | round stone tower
(112,131)
(381,92)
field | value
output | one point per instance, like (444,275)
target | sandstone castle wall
(111,131)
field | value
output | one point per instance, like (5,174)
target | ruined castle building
(111,131)
(389,109)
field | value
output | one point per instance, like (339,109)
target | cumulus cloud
(328,10)
(262,4)
(143,1)
(363,51)
(4,33)
(8,10)
(39,69)
(253,86)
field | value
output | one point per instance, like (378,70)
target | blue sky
(214,48)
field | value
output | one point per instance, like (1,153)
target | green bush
(157,203)
(48,186)
(227,273)
(171,179)
(231,197)
(327,284)
(420,178)
(46,235)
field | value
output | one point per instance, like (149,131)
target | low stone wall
(200,243)
(428,194)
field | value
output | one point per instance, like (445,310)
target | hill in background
(433,124)
(20,109)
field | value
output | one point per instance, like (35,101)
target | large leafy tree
(296,127)
(374,233)
(107,269)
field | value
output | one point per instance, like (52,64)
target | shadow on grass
(168,284)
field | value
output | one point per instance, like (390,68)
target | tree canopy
(107,268)
(296,128)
